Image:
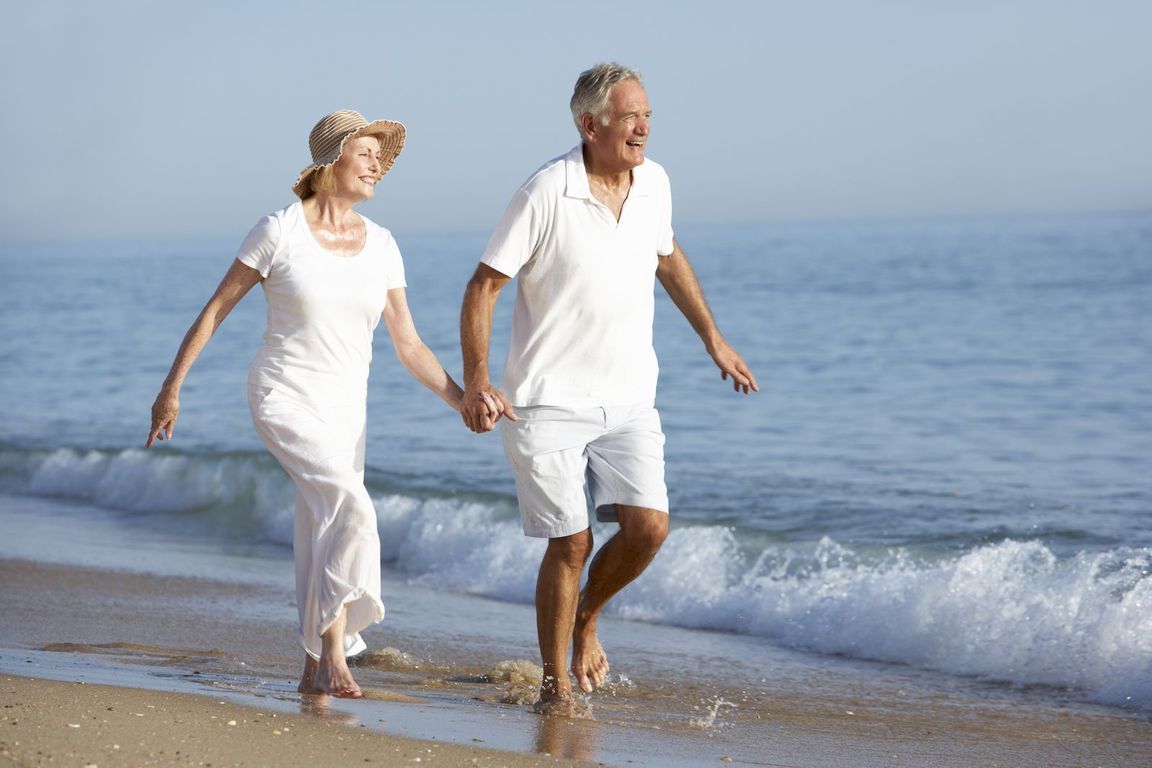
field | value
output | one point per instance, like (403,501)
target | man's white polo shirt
(582,326)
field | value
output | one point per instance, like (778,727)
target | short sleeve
(259,247)
(515,238)
(395,264)
(664,236)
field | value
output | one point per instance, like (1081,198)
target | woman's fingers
(164,413)
(494,406)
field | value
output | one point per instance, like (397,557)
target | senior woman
(329,275)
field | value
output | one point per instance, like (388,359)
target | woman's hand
(164,413)
(238,280)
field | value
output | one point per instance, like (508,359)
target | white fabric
(619,450)
(322,307)
(307,392)
(335,541)
(582,325)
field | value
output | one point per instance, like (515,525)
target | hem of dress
(353,643)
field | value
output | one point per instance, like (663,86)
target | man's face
(619,145)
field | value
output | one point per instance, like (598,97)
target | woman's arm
(413,354)
(236,283)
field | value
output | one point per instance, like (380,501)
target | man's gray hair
(593,89)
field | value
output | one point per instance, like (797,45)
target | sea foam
(1010,611)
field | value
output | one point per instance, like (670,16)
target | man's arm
(679,280)
(482,404)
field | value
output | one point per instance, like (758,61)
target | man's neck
(615,180)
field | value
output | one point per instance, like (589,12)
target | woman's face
(358,169)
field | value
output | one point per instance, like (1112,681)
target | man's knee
(573,551)
(645,529)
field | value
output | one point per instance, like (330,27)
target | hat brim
(391,135)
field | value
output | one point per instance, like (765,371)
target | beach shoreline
(155,639)
(49,722)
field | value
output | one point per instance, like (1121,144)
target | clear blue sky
(191,118)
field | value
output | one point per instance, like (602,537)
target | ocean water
(948,466)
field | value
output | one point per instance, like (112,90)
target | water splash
(711,711)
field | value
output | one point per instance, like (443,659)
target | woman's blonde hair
(322,180)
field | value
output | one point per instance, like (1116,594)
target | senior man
(586,235)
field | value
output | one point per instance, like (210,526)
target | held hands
(481,408)
(164,413)
(731,364)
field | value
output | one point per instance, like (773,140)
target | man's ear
(588,124)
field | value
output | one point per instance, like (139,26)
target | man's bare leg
(616,565)
(557,591)
(332,674)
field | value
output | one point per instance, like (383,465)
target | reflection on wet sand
(319,705)
(567,737)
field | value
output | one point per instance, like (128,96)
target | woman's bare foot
(589,662)
(330,674)
(334,678)
(308,678)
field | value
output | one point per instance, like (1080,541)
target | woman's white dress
(307,391)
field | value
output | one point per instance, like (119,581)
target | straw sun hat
(329,135)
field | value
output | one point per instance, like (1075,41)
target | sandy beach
(161,665)
(56,723)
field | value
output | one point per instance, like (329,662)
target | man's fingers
(479,419)
(509,411)
(485,408)
(469,419)
(751,380)
(742,378)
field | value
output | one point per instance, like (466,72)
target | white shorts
(552,451)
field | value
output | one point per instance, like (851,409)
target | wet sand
(50,723)
(131,640)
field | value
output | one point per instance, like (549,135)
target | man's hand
(731,364)
(481,408)
(675,273)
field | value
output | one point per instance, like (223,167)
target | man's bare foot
(589,662)
(560,703)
